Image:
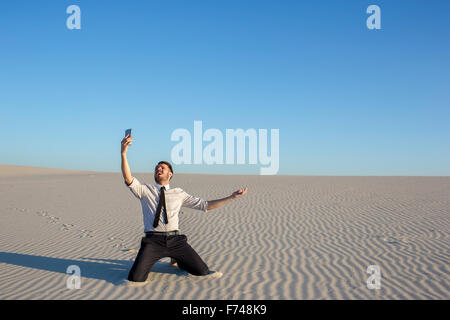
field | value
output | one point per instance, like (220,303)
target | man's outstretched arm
(214,204)
(126,172)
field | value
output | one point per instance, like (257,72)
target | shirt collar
(159,186)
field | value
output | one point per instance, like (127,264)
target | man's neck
(163,185)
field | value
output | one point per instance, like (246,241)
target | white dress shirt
(175,199)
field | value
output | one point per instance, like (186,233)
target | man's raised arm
(126,172)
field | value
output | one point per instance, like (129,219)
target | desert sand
(290,237)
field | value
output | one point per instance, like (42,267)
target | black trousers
(155,247)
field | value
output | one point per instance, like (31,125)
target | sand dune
(290,237)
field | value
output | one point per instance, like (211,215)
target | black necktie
(161,204)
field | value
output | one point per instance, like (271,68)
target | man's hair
(168,164)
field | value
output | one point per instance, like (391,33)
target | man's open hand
(239,193)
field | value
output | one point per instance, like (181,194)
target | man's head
(163,172)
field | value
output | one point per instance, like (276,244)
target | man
(160,207)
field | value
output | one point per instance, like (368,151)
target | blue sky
(346,100)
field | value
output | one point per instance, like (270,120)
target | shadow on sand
(113,271)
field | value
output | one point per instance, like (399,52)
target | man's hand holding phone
(127,141)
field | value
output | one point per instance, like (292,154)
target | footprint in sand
(50,218)
(83,233)
(66,226)
(86,233)
(390,240)
(119,243)
(42,214)
(53,219)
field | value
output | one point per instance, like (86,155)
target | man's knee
(202,271)
(134,277)
(205,272)
(198,270)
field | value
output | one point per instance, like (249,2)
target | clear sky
(346,100)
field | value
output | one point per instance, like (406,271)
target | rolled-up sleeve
(195,202)
(136,188)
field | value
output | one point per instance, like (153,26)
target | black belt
(158,233)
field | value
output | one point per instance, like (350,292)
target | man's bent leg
(148,255)
(187,258)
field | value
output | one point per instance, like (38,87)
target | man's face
(162,174)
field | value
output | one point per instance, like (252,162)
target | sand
(290,237)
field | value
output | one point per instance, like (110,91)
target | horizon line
(223,174)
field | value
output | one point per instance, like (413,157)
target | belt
(158,233)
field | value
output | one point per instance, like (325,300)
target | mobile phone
(127,132)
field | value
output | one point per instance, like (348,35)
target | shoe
(135,283)
(213,274)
